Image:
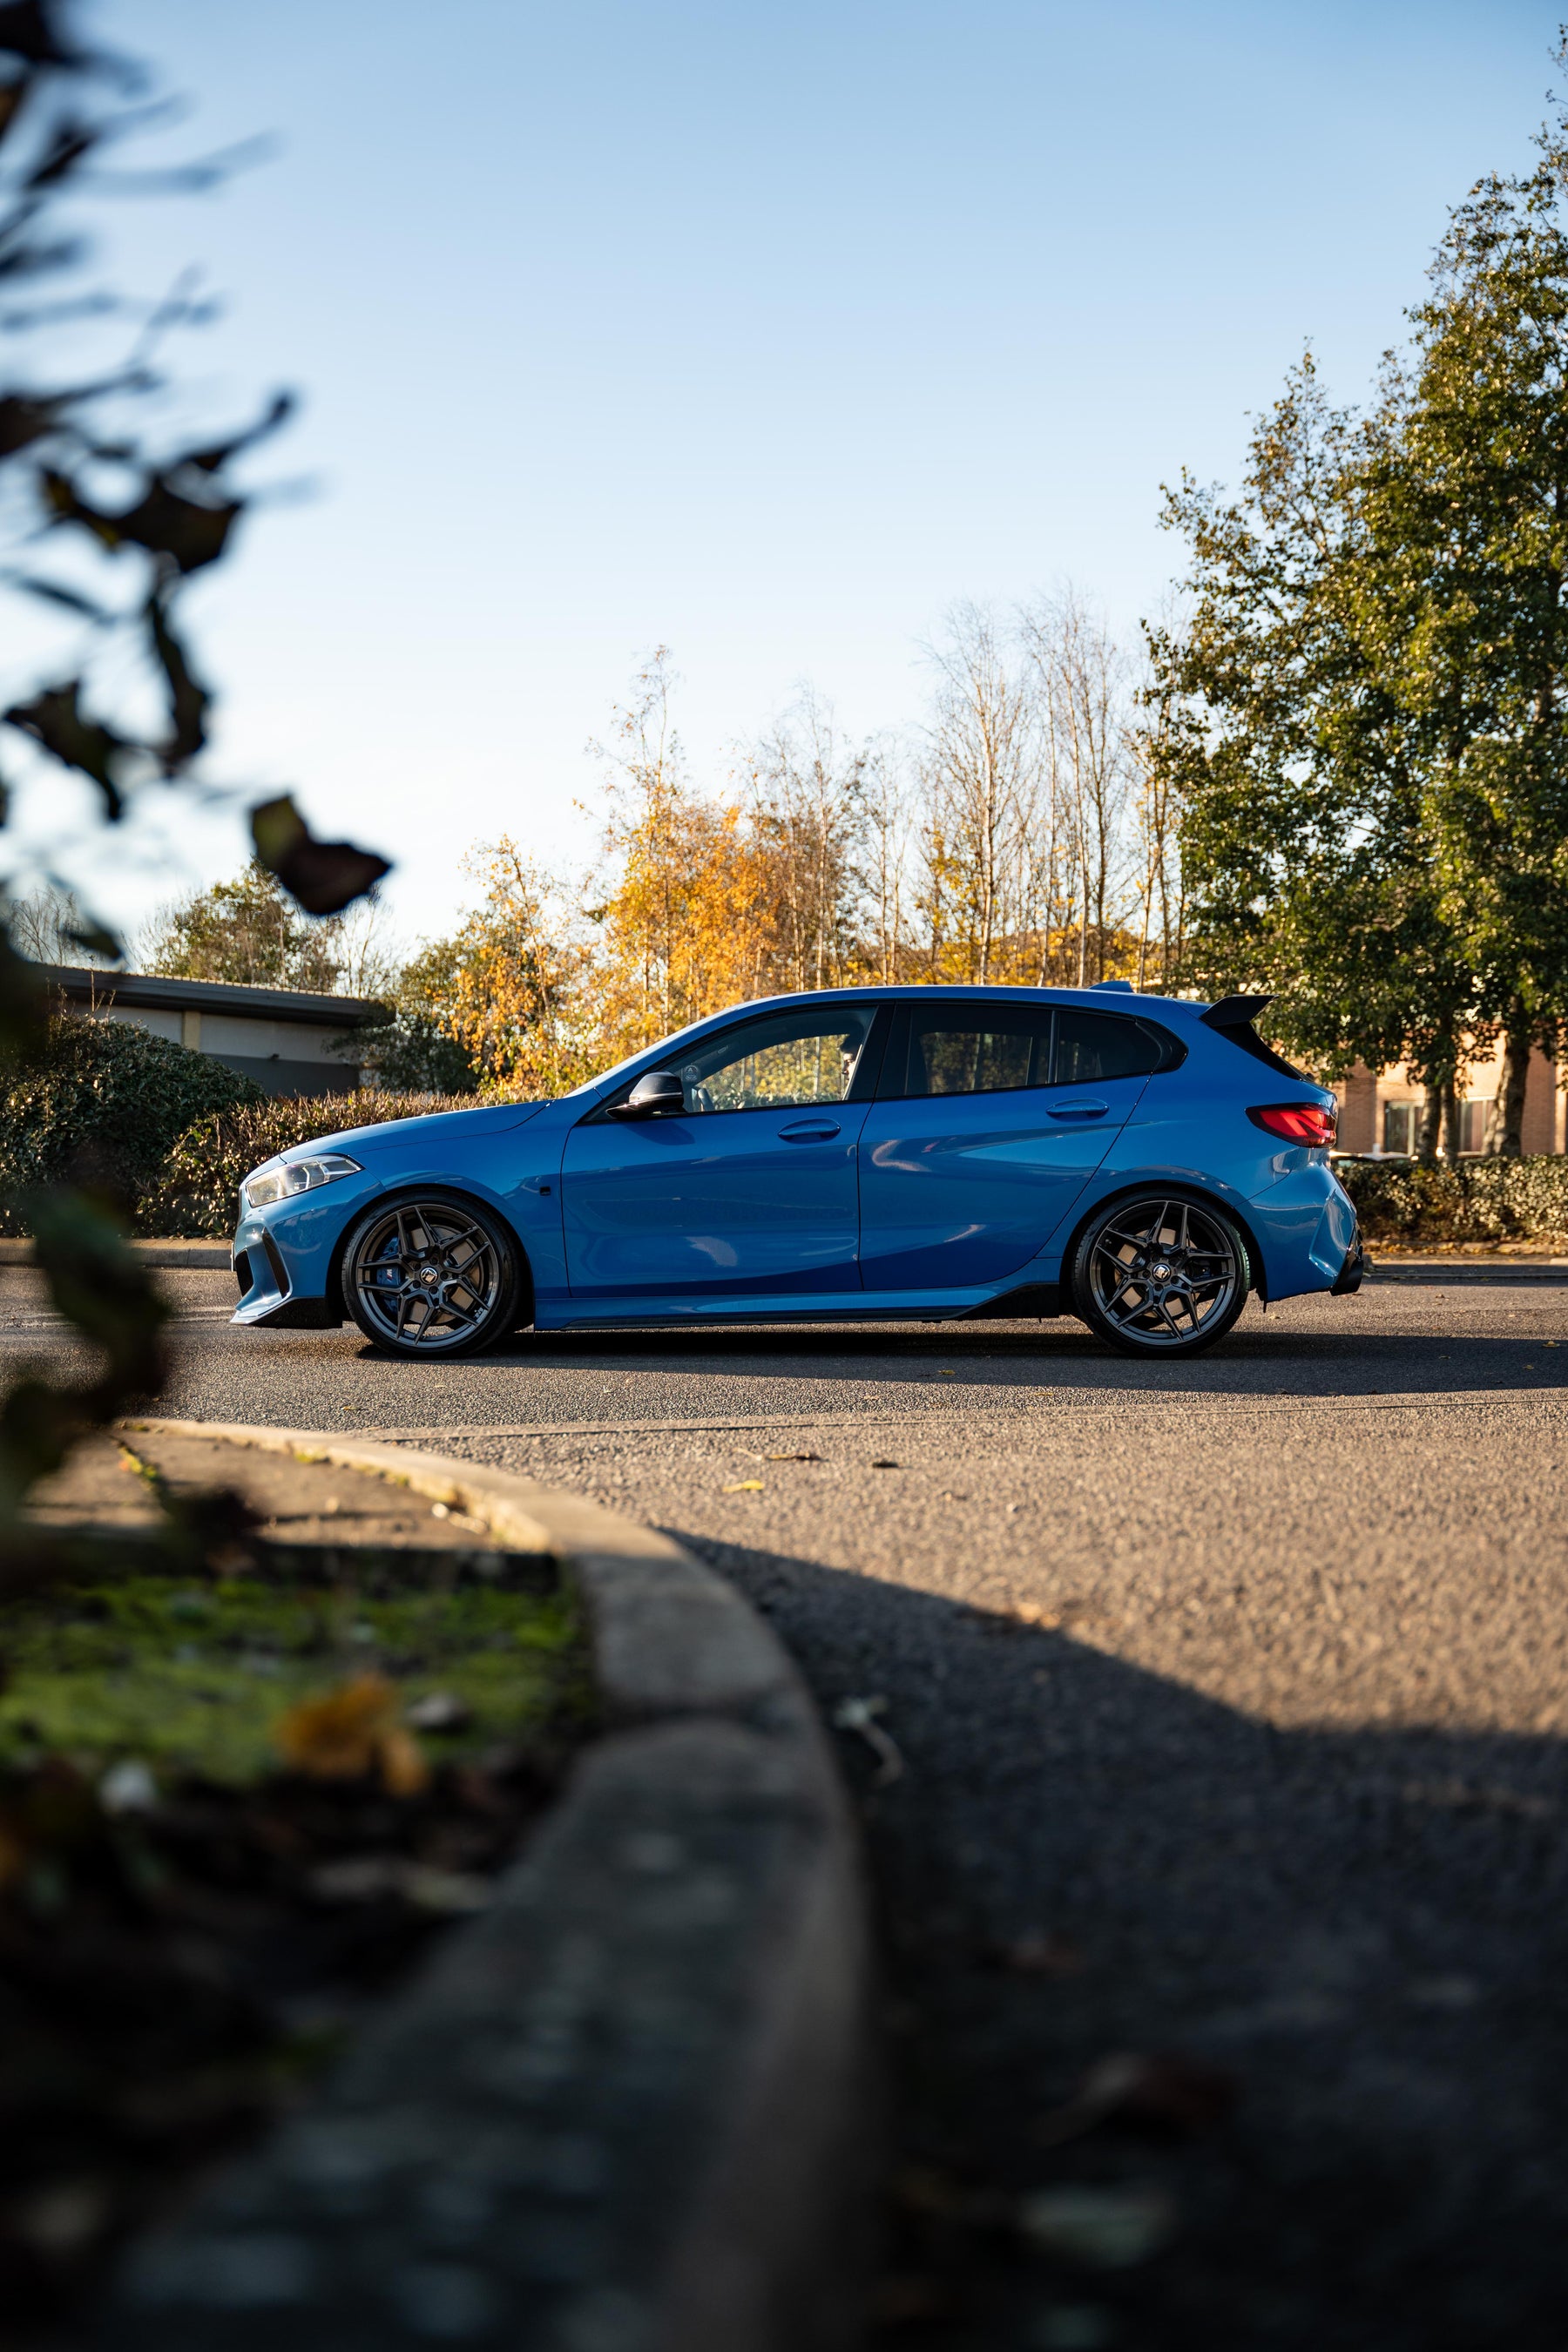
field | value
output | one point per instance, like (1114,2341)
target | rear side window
(1092,1046)
(963,1049)
(986,1048)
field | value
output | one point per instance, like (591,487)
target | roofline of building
(149,992)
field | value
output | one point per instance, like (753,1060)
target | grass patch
(195,1678)
(234,1809)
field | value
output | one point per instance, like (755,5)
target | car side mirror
(656,1095)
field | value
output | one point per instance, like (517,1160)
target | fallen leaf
(743,1486)
(1075,2327)
(859,1715)
(794,1458)
(906,2297)
(437,1711)
(1166,2093)
(349,1732)
(127,1787)
(371,1877)
(1038,1954)
(1107,2229)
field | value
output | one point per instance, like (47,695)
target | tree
(689,918)
(247,930)
(1084,691)
(1306,869)
(1467,595)
(415,1052)
(982,897)
(507,988)
(806,820)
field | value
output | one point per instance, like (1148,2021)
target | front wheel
(432,1278)
(1161,1275)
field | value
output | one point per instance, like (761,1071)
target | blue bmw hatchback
(1137,1161)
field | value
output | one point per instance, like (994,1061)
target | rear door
(991,1119)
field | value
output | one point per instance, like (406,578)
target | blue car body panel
(743,1202)
(929,1205)
(960,1189)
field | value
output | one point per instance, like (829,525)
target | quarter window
(1091,1045)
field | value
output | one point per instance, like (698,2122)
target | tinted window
(963,1049)
(1091,1045)
(772,1065)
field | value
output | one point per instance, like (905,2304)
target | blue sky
(765,332)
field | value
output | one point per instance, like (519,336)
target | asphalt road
(1228,1706)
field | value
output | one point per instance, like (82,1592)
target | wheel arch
(1175,1185)
(389,1198)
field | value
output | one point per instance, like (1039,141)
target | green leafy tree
(248,930)
(1308,872)
(1465,596)
(417,1052)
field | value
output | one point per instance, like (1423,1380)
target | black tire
(431,1276)
(1159,1274)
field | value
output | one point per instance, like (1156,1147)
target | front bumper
(269,1297)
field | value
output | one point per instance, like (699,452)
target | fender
(1177,1184)
(389,1198)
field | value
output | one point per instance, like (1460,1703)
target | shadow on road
(1367,1931)
(1256,1361)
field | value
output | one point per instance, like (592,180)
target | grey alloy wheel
(1162,1274)
(431,1277)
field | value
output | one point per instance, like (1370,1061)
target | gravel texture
(1227,1706)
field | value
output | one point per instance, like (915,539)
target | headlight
(265,1185)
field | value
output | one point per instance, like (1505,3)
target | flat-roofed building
(289,1042)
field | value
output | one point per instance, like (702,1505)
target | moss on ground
(194,1676)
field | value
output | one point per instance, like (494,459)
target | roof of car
(1102,997)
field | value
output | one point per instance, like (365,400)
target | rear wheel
(434,1275)
(1164,1273)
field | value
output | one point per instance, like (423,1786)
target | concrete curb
(204,1255)
(628,2109)
(1470,1269)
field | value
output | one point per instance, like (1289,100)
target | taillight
(1298,1122)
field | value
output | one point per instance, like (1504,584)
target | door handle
(808,1130)
(1077,1110)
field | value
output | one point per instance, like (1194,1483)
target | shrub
(1402,1203)
(101,1103)
(197,1193)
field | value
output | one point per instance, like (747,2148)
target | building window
(1402,1127)
(1473,1116)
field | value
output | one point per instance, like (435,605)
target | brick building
(1381,1111)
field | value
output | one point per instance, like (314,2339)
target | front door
(750,1187)
(991,1119)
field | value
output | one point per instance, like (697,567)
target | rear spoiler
(1235,1011)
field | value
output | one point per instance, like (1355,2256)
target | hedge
(102,1103)
(1405,1204)
(197,1193)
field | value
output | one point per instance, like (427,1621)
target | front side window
(789,1059)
